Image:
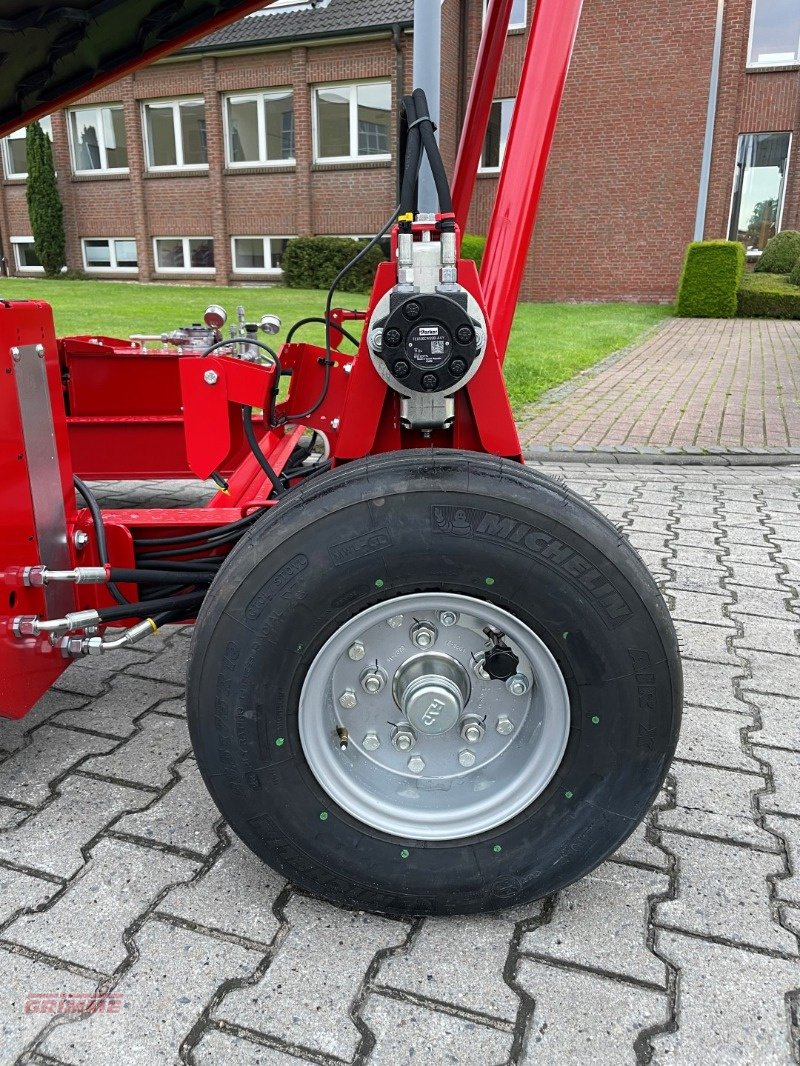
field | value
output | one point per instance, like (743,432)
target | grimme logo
(73,1002)
(431,715)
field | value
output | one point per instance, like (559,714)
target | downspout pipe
(428,77)
(711,118)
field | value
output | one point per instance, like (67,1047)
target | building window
(15,157)
(758,188)
(259,128)
(98,139)
(774,33)
(25,255)
(519,12)
(184,254)
(494,146)
(258,255)
(109,253)
(175,134)
(352,121)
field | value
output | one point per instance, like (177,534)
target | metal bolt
(376,338)
(372,681)
(448,618)
(423,634)
(403,738)
(477,666)
(466,758)
(371,742)
(416,764)
(210,377)
(348,699)
(504,725)
(40,350)
(16,354)
(335,423)
(517,685)
(80,539)
(356,650)
(395,621)
(472,729)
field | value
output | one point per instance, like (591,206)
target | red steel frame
(360,414)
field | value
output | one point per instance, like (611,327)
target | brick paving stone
(749,574)
(785,769)
(51,839)
(114,712)
(713,736)
(723,891)
(582,1018)
(407,1033)
(20,976)
(767,634)
(780,721)
(760,554)
(14,732)
(745,536)
(696,538)
(176,973)
(712,685)
(304,999)
(460,963)
(169,664)
(770,603)
(615,944)
(20,890)
(701,607)
(118,882)
(183,818)
(90,677)
(148,756)
(778,674)
(27,774)
(704,558)
(707,643)
(715,803)
(638,849)
(235,896)
(695,579)
(218,1048)
(731,1004)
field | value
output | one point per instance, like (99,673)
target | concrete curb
(625,454)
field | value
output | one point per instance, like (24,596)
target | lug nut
(372,681)
(371,742)
(472,729)
(423,634)
(356,651)
(395,621)
(517,685)
(403,738)
(348,699)
(448,618)
(504,725)
(416,764)
(466,758)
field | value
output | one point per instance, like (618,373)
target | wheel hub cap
(431,691)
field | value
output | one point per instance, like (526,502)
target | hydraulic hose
(99,530)
(434,156)
(161,577)
(255,448)
(412,160)
(135,610)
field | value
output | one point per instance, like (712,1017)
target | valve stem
(344,738)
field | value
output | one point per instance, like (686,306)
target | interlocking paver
(780,720)
(701,607)
(27,774)
(118,882)
(766,634)
(779,674)
(14,733)
(304,999)
(731,1005)
(712,685)
(638,849)
(20,890)
(148,756)
(176,974)
(126,698)
(713,736)
(218,1048)
(787,887)
(785,770)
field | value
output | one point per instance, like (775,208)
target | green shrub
(711,274)
(313,263)
(44,203)
(768,296)
(794,277)
(472,247)
(781,253)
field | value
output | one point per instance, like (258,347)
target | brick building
(201,166)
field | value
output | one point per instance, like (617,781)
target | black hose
(434,157)
(160,577)
(142,609)
(270,352)
(320,319)
(411,161)
(194,566)
(255,448)
(200,535)
(99,530)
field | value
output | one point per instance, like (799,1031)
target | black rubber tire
(426,521)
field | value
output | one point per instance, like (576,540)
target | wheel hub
(431,690)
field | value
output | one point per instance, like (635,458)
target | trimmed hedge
(472,247)
(781,253)
(794,277)
(313,263)
(768,296)
(711,275)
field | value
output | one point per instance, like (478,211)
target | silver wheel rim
(442,787)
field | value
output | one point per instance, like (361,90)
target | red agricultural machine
(424,679)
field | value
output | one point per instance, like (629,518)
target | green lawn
(550,343)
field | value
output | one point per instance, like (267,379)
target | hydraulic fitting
(39,576)
(30,625)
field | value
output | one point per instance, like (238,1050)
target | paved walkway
(692,384)
(117,874)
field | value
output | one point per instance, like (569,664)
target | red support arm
(541,87)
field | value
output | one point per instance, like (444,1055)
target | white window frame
(768,65)
(20,175)
(511,24)
(267,253)
(259,96)
(186,256)
(91,268)
(756,253)
(15,241)
(503,147)
(101,134)
(352,86)
(175,104)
